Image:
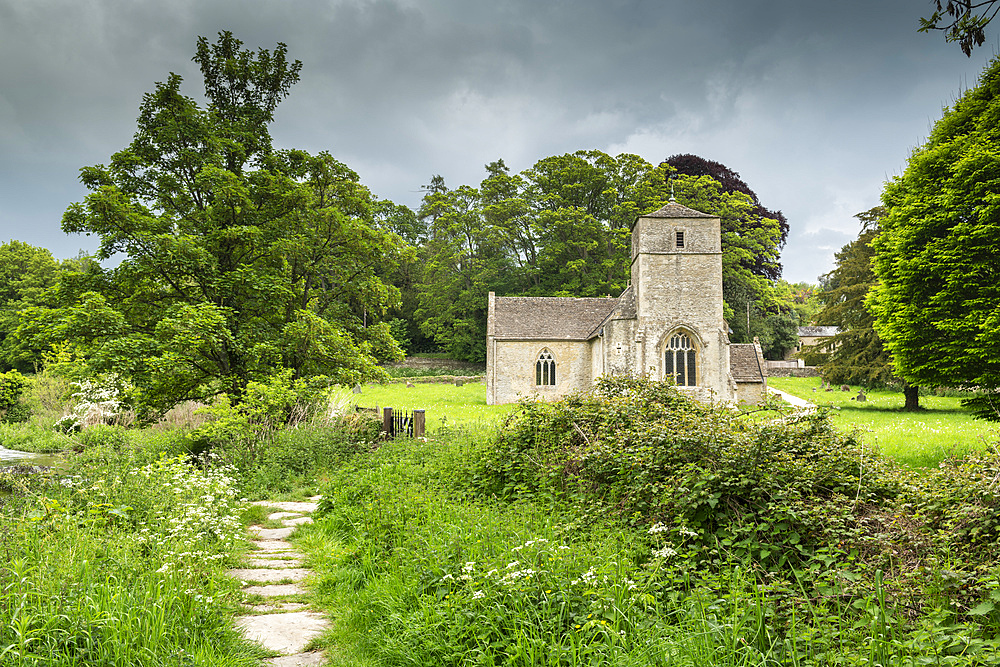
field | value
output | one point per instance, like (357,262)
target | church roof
(675,210)
(625,308)
(745,364)
(550,317)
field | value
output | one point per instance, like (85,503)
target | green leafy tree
(582,206)
(563,228)
(27,276)
(505,208)
(802,297)
(464,260)
(858,355)
(237,260)
(937,258)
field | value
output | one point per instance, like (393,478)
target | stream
(15,457)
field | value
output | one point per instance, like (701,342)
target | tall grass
(120,560)
(418,572)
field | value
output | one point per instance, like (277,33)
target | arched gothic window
(680,361)
(545,369)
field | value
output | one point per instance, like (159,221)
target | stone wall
(512,369)
(751,392)
(804,372)
(449,364)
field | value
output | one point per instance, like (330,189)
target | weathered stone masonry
(667,324)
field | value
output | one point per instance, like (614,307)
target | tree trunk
(912,396)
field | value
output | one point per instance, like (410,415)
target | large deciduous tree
(236,260)
(562,228)
(764,264)
(937,258)
(27,277)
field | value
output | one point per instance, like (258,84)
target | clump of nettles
(708,484)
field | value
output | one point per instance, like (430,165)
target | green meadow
(942,428)
(446,405)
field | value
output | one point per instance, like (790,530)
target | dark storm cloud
(813,103)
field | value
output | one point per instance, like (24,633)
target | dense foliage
(855,355)
(717,485)
(562,228)
(236,259)
(936,258)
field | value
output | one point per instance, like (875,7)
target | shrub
(960,505)
(12,410)
(714,485)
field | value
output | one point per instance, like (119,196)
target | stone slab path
(275,570)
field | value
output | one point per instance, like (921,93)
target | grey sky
(815,104)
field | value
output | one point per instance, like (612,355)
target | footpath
(794,401)
(280,622)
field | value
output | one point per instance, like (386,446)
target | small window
(545,369)
(680,361)
(680,239)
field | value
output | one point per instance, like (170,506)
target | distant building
(667,324)
(810,336)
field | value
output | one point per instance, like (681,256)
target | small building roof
(818,332)
(674,210)
(550,317)
(745,362)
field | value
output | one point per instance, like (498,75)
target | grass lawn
(919,439)
(446,404)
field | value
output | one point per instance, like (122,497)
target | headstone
(861,396)
(459,383)
(357,389)
(844,387)
(409,385)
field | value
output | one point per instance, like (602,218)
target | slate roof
(625,308)
(675,210)
(550,317)
(745,365)
(818,331)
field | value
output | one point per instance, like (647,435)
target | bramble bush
(717,486)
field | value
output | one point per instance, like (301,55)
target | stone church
(668,324)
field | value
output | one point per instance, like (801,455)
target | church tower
(677,287)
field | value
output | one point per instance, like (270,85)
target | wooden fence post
(387,425)
(418,423)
